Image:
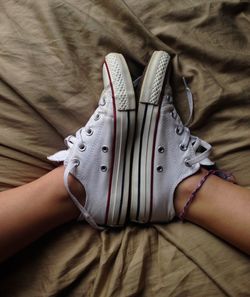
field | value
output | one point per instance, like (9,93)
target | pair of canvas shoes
(130,157)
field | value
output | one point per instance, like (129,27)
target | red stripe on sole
(113,145)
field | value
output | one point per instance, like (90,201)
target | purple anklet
(222,174)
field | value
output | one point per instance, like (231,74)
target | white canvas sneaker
(99,155)
(165,152)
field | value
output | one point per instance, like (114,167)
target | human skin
(29,211)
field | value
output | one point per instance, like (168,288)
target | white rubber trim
(153,79)
(122,109)
(148,137)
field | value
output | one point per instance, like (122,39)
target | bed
(51,53)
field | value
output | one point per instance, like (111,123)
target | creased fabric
(51,54)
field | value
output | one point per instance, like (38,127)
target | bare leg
(29,211)
(221,207)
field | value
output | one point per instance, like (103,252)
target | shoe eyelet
(97,117)
(105,149)
(159,168)
(174,114)
(77,162)
(103,102)
(169,99)
(161,149)
(183,147)
(82,147)
(178,131)
(104,168)
(89,131)
(68,139)
(186,162)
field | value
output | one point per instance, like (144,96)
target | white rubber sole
(124,126)
(146,128)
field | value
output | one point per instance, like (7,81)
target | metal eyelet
(97,117)
(159,168)
(183,147)
(82,147)
(169,99)
(68,139)
(103,102)
(178,131)
(89,131)
(77,162)
(186,162)
(105,149)
(174,114)
(104,168)
(161,149)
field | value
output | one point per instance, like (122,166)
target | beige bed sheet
(51,53)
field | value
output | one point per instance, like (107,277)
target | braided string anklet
(224,175)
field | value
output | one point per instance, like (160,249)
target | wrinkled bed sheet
(51,53)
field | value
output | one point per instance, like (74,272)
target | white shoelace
(187,137)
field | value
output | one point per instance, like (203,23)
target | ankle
(61,194)
(185,189)
(77,189)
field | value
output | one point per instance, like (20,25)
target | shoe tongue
(206,162)
(59,156)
